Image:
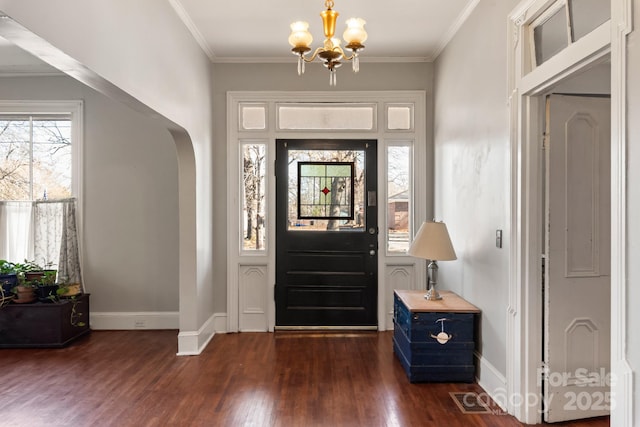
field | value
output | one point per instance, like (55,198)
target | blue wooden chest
(434,340)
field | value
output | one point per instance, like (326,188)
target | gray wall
(273,77)
(471,142)
(130,209)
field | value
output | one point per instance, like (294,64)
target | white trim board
(491,381)
(192,343)
(134,320)
(524,325)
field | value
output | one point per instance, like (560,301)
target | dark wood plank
(134,378)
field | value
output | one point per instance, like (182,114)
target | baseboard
(623,396)
(492,381)
(220,323)
(118,320)
(192,343)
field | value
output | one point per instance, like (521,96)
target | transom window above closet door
(563,23)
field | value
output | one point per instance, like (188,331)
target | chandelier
(331,53)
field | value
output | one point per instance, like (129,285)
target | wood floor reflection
(134,378)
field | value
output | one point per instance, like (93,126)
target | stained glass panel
(325,190)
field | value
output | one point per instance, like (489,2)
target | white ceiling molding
(460,20)
(193,29)
(292,60)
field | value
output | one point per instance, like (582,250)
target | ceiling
(399,31)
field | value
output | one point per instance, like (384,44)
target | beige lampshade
(432,242)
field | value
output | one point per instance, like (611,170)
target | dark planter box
(44,324)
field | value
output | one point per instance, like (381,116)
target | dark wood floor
(134,378)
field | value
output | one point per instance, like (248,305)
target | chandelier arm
(344,55)
(312,57)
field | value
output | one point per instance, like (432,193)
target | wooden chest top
(450,302)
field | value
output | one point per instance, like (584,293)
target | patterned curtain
(69,263)
(47,217)
(44,232)
(56,238)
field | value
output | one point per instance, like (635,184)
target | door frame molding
(524,328)
(261,266)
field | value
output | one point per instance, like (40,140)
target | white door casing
(251,274)
(524,326)
(577,269)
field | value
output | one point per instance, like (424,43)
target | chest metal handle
(442,337)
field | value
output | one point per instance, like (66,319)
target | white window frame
(75,109)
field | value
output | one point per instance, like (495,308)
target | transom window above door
(564,23)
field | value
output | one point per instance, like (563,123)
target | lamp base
(432,272)
(432,295)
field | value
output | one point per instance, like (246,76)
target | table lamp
(432,243)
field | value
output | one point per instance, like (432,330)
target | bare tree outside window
(253,167)
(35,158)
(334,193)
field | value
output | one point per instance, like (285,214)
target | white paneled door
(577,271)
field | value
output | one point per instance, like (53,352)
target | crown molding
(292,60)
(193,29)
(451,32)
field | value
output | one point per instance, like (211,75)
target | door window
(326,190)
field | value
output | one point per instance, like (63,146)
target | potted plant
(32,271)
(24,291)
(8,281)
(46,287)
(8,277)
(30,276)
(68,289)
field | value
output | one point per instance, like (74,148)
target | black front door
(326,233)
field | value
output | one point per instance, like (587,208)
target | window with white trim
(35,157)
(40,155)
(40,150)
(399,196)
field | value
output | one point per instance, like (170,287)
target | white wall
(633,209)
(471,142)
(130,200)
(273,77)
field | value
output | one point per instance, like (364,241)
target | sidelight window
(254,192)
(399,198)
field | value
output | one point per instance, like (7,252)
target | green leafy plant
(7,267)
(75,314)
